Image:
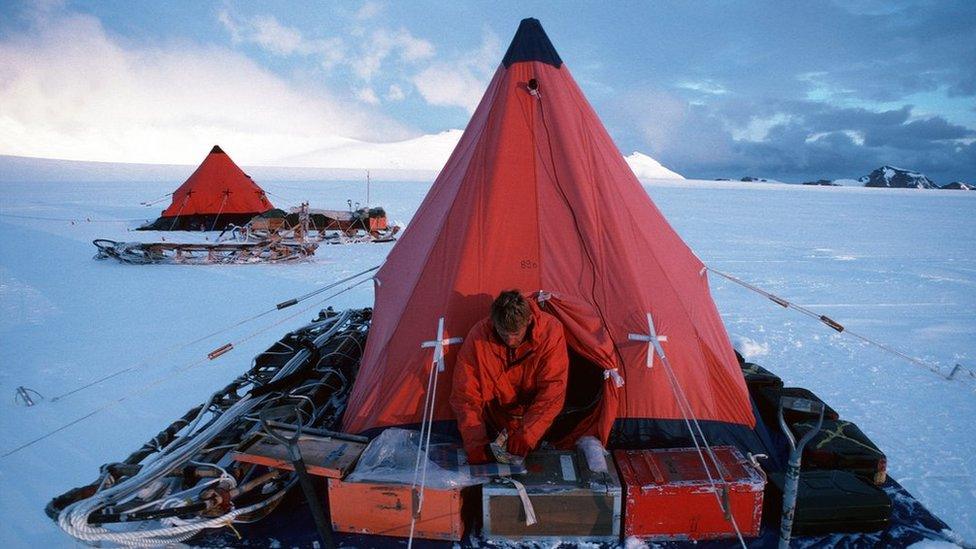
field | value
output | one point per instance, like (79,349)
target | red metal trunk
(668,495)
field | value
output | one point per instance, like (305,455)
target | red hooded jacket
(522,388)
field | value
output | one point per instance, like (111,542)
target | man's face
(512,339)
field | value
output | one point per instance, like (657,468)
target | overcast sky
(787,90)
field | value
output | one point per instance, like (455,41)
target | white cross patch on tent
(439,344)
(653,341)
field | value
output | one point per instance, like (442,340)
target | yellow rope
(829,435)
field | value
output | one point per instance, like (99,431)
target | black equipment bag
(767,400)
(830,501)
(841,445)
(758,377)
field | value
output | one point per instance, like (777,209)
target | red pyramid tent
(536,196)
(218,191)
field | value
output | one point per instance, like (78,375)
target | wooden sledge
(329,226)
(272,250)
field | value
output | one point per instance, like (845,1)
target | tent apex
(217,150)
(531,44)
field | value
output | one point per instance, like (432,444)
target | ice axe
(792,481)
(272,427)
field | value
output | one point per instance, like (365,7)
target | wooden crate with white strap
(567,498)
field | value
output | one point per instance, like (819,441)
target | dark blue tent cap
(531,44)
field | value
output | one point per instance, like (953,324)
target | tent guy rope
(70,219)
(164,354)
(687,414)
(427,423)
(957,372)
(177,372)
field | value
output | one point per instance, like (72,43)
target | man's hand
(479,455)
(517,445)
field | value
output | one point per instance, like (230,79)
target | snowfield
(895,265)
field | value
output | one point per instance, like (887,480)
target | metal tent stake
(792,481)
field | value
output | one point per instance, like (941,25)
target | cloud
(460,82)
(363,52)
(395,93)
(70,90)
(919,134)
(382,44)
(704,86)
(369,10)
(758,127)
(269,34)
(791,140)
(367,95)
(679,133)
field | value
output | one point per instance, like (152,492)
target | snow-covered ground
(896,265)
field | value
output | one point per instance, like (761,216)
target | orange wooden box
(386,510)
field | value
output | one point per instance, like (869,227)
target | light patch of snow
(417,159)
(645,167)
(427,152)
(633,542)
(933,544)
(21,169)
(749,348)
(21,303)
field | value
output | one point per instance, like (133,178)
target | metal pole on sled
(792,481)
(267,418)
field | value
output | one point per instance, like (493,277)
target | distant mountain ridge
(958,186)
(897,178)
(892,178)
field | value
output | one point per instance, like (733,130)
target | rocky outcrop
(958,186)
(891,177)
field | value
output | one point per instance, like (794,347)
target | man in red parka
(510,375)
